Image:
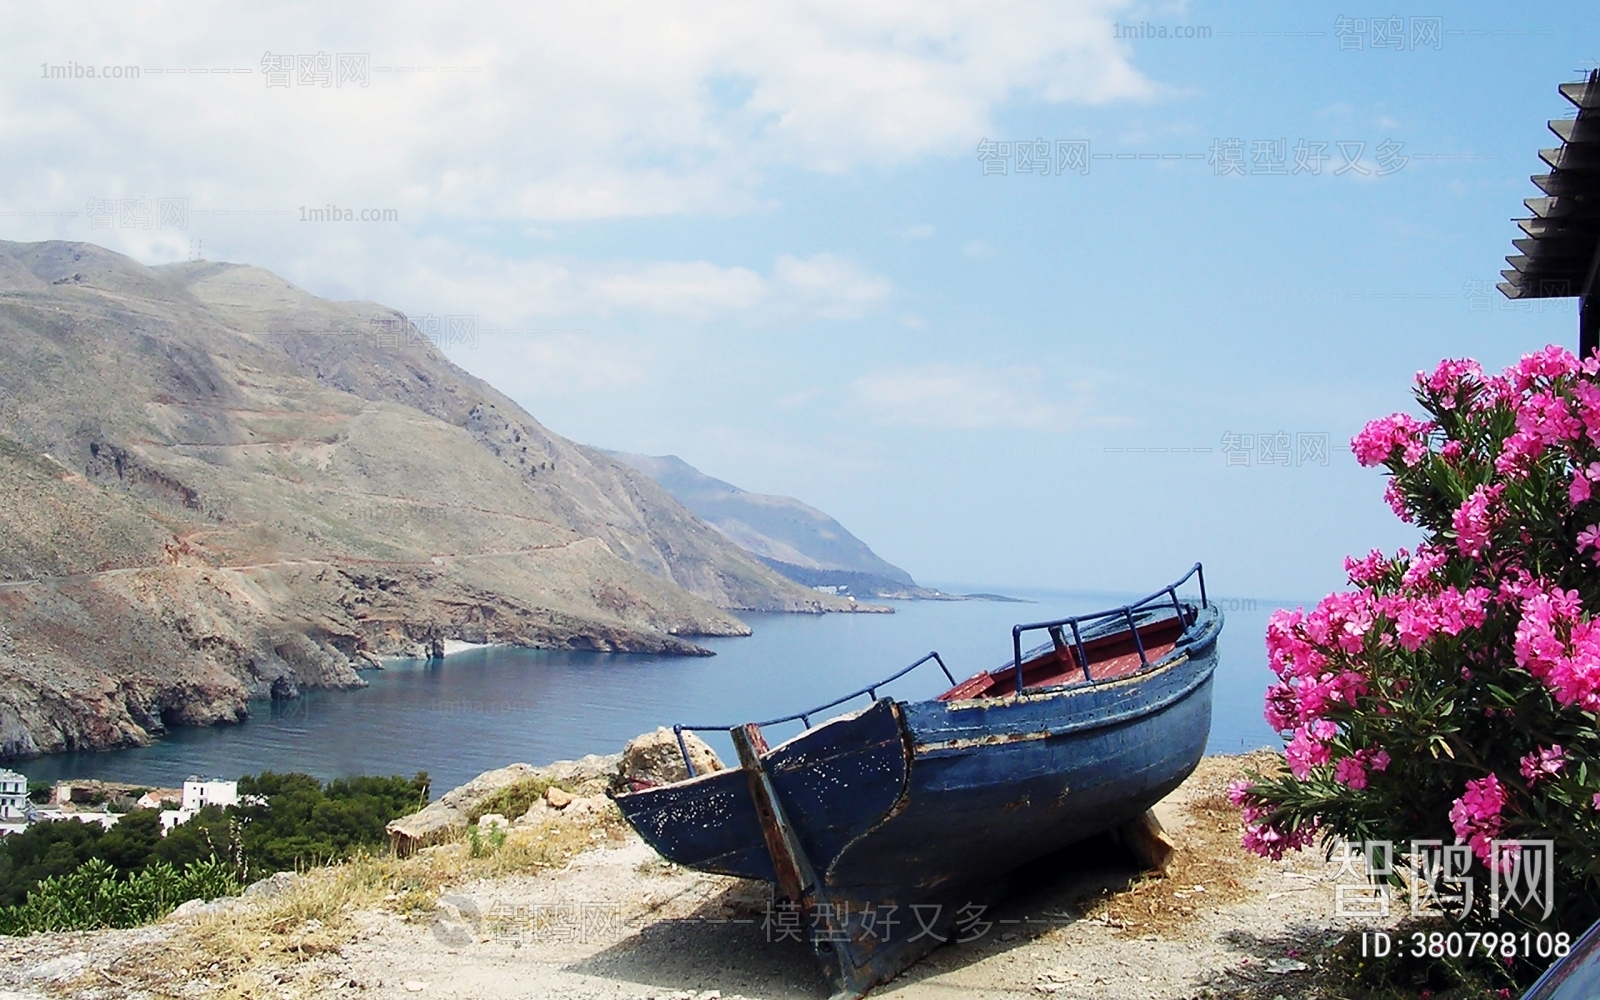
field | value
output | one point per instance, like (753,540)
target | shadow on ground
(728,944)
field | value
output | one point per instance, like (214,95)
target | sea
(484,708)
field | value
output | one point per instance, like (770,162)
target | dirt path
(617,923)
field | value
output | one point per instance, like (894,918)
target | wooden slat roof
(1558,254)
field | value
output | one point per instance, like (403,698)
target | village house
(155,798)
(197,794)
(13,796)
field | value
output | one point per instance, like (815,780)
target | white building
(158,797)
(197,794)
(105,819)
(13,796)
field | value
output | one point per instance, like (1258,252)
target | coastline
(454,646)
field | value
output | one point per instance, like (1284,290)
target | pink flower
(1351,771)
(1597,800)
(1579,490)
(1541,764)
(1517,453)
(1546,417)
(1396,500)
(1560,647)
(1450,378)
(1380,760)
(1416,623)
(1551,363)
(1378,440)
(1307,748)
(1367,570)
(1271,841)
(1588,538)
(1282,709)
(1587,397)
(1473,521)
(1475,816)
(1262,836)
(1419,575)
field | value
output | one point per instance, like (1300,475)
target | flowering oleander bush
(1451,693)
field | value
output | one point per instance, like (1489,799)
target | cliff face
(215,486)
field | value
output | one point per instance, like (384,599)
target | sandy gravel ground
(617,923)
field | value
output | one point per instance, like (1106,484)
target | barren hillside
(216,486)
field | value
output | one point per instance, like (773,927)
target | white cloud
(444,277)
(827,286)
(699,289)
(529,111)
(971,398)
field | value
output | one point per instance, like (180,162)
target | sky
(1063,294)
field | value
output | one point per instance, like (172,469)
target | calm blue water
(486,708)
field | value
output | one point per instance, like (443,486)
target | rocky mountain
(792,537)
(215,486)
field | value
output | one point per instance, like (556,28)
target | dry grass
(1208,870)
(270,947)
(277,948)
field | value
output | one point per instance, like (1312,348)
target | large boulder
(448,818)
(656,759)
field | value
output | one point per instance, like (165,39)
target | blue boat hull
(924,805)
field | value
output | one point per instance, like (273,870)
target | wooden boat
(880,826)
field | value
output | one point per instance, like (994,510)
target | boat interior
(1110,656)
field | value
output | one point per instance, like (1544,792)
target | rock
(558,798)
(588,775)
(493,821)
(458,921)
(272,885)
(655,759)
(588,807)
(196,908)
(536,814)
(59,969)
(449,817)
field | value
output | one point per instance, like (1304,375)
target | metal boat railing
(871,690)
(1125,612)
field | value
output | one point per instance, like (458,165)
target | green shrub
(94,896)
(297,822)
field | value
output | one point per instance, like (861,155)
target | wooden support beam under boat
(795,875)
